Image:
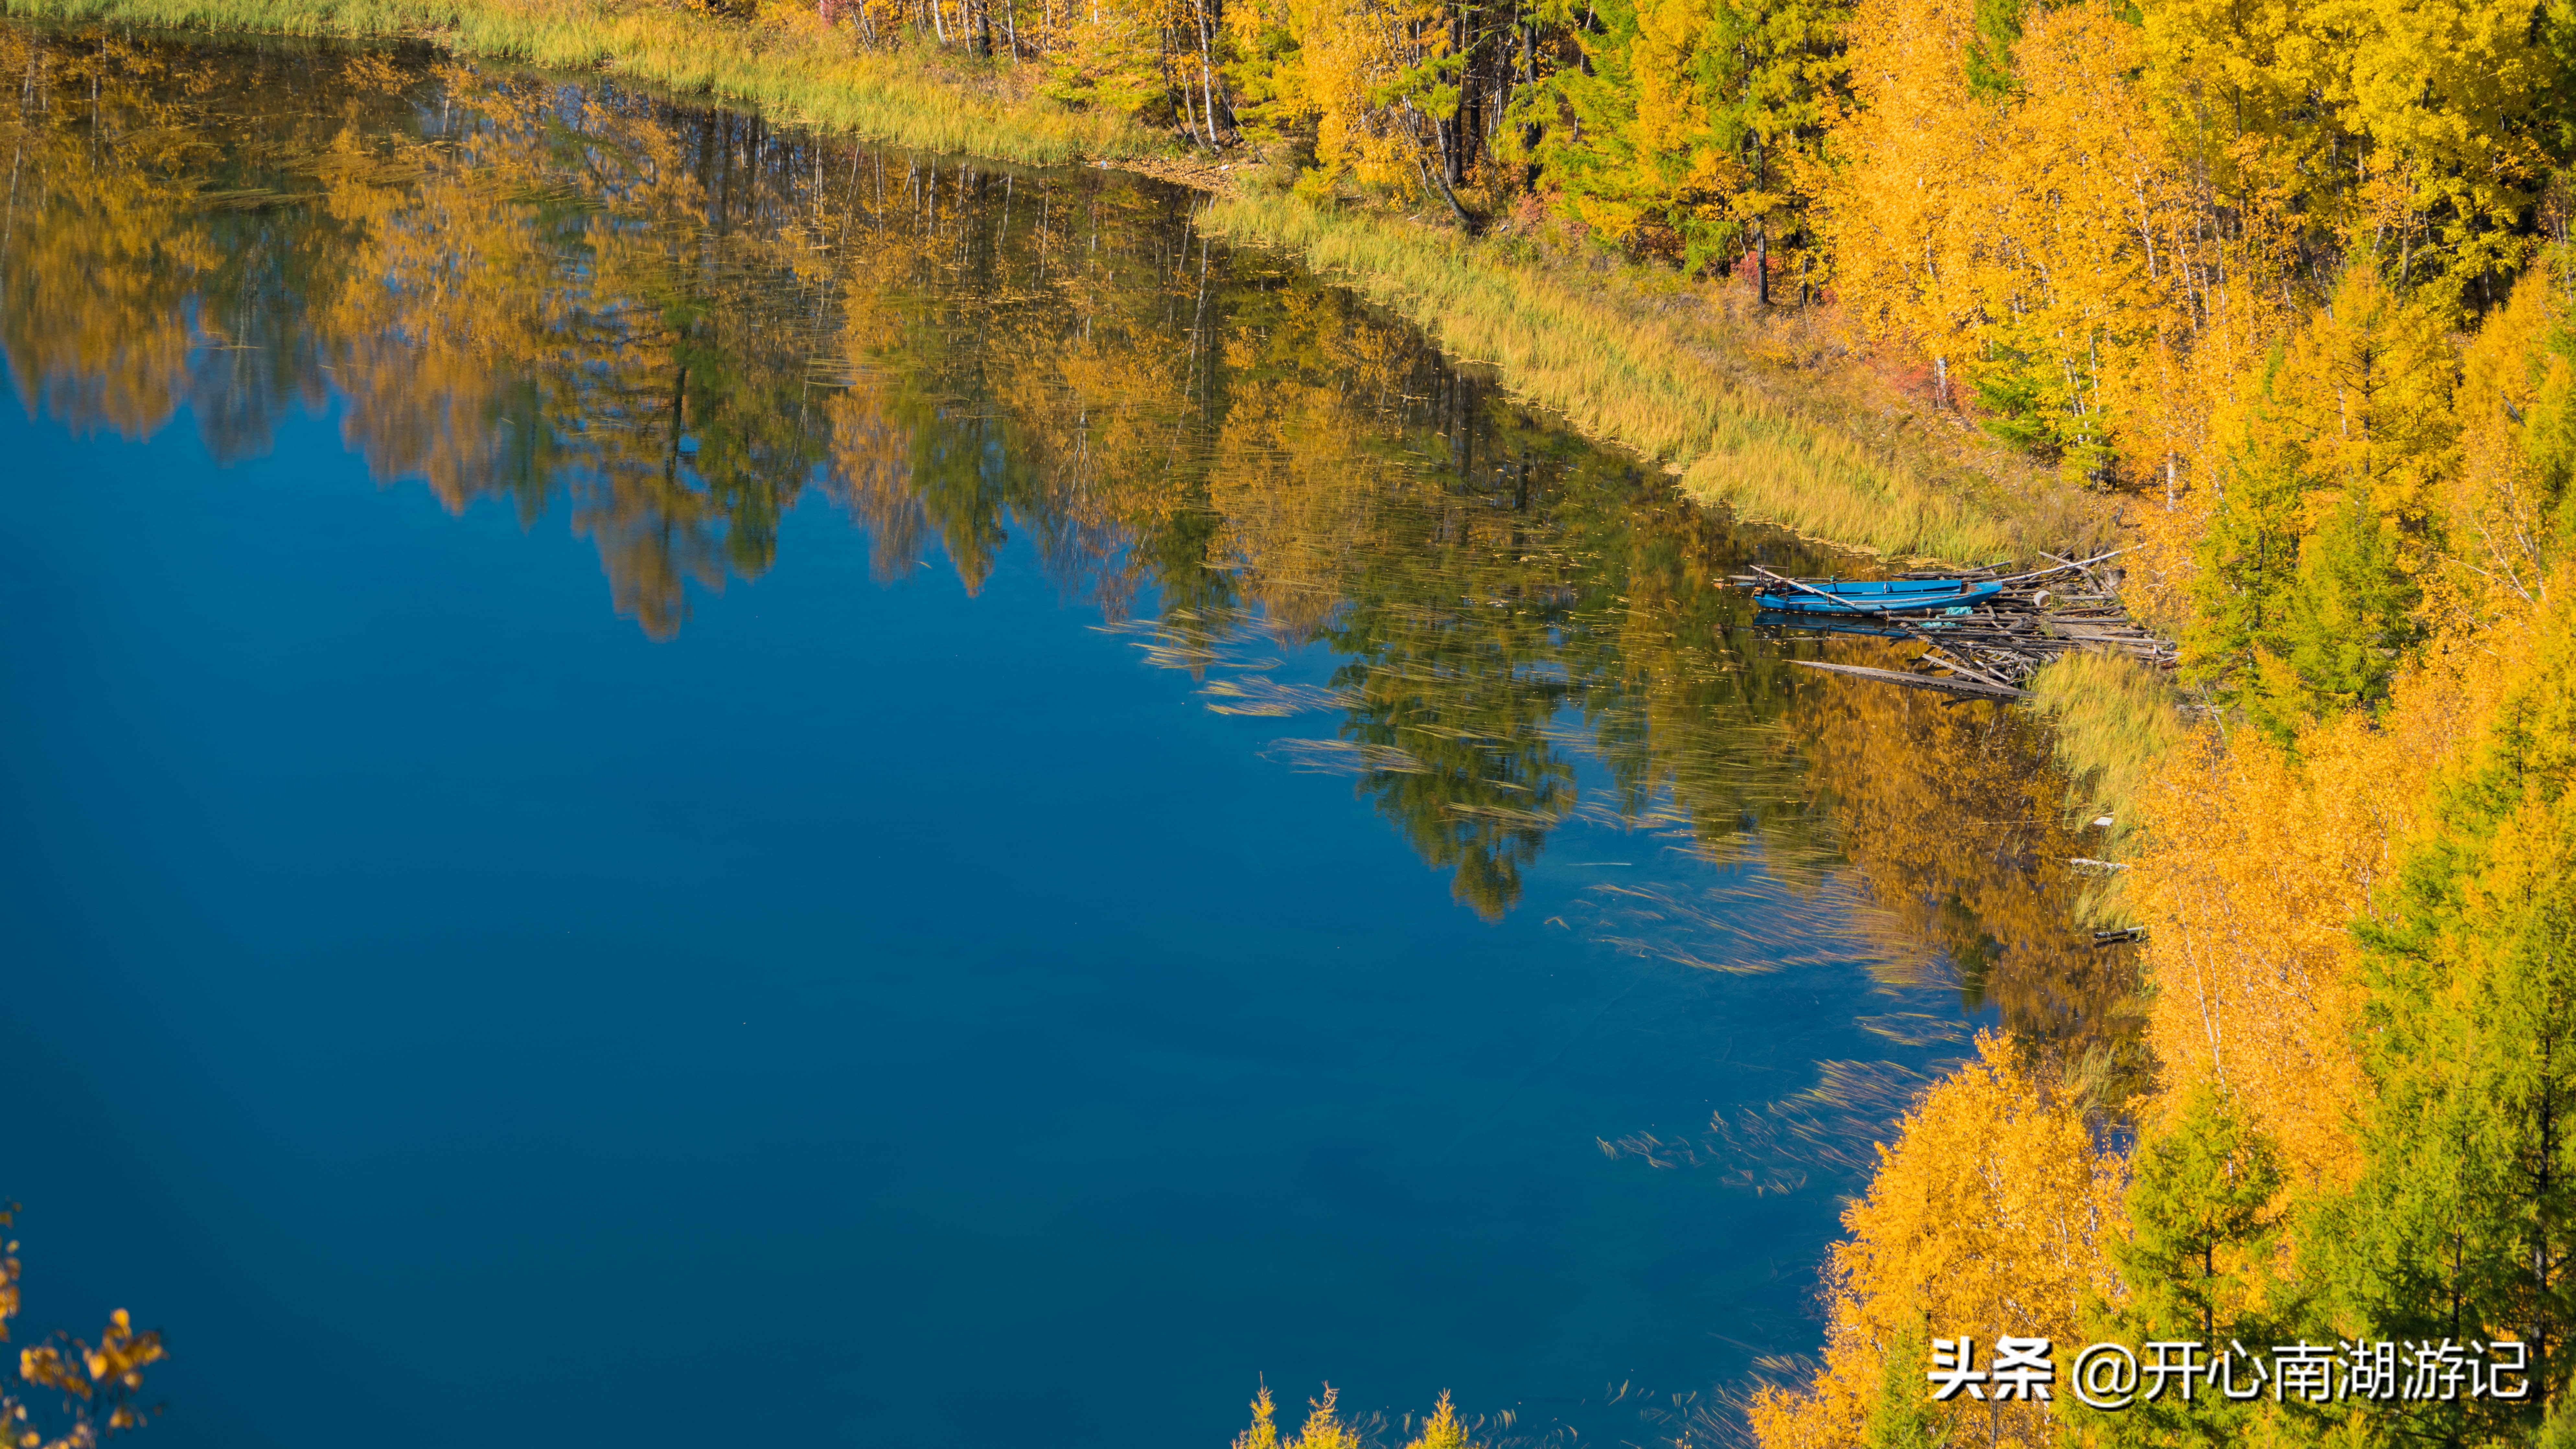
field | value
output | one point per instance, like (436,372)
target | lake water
(672,782)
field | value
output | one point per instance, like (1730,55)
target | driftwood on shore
(1992,649)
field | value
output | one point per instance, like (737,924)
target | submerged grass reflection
(1832,1126)
(1751,923)
(1259,694)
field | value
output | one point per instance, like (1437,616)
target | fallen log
(1919,681)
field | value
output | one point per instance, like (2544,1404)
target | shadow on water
(672,325)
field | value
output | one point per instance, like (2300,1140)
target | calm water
(672,783)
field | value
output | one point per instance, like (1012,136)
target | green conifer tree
(1904,1415)
(1989,61)
(2249,557)
(1683,129)
(2349,621)
(2464,1219)
(2204,1218)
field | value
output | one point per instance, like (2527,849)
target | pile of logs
(1992,650)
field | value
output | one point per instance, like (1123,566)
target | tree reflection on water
(672,323)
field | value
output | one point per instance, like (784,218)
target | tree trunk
(1207,22)
(1462,128)
(1434,177)
(1761,231)
(1530,131)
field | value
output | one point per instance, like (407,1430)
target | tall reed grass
(798,73)
(2115,718)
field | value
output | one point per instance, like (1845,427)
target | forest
(2292,285)
(2295,283)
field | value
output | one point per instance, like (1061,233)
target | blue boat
(1878,596)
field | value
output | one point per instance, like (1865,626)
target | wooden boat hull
(1873,625)
(1877,597)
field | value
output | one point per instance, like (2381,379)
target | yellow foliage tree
(97,1383)
(1990,1215)
(1909,149)
(2516,410)
(1367,76)
(2257,858)
(1324,1429)
(2376,378)
(2038,244)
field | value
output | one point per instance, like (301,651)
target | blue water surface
(880,1013)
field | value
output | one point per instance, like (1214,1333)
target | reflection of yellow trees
(103,238)
(1291,476)
(559,301)
(532,300)
(1951,812)
(673,323)
(1701,714)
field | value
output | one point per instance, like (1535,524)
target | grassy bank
(797,72)
(1630,355)
(2115,719)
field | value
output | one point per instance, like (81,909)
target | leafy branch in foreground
(98,1384)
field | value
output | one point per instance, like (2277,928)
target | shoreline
(1629,355)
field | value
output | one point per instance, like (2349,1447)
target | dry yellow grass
(2115,721)
(801,73)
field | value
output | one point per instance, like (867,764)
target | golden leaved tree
(1371,79)
(2504,508)
(1990,1215)
(2032,244)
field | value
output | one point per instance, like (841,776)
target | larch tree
(2464,1218)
